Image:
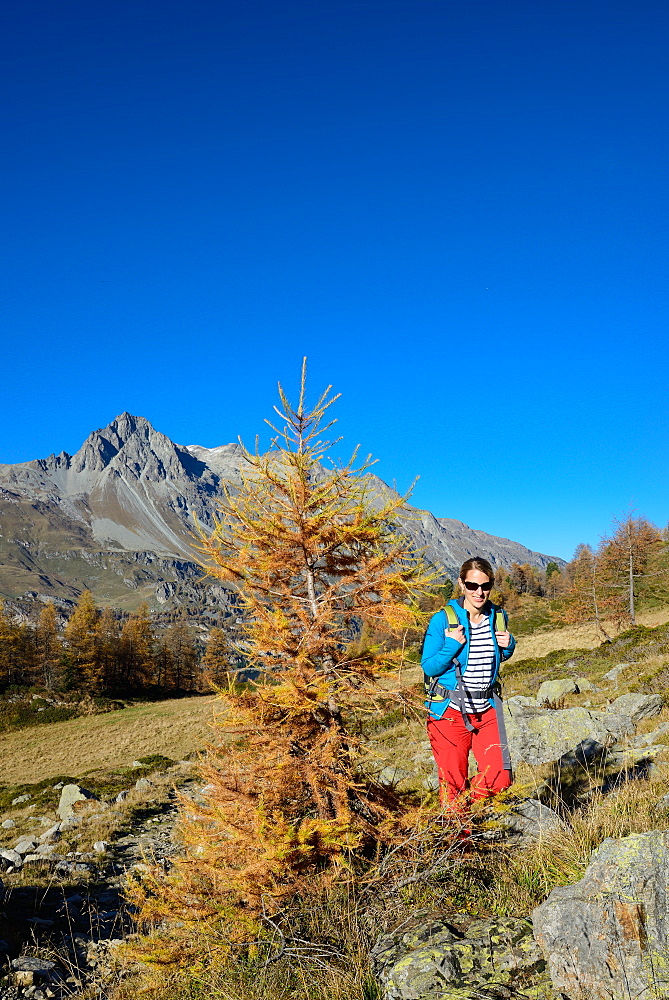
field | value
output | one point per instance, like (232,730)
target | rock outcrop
(607,936)
(542,736)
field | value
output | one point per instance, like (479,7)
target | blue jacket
(439,651)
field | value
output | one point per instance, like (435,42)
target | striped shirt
(480,666)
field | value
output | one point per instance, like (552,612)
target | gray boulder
(51,835)
(429,958)
(637,706)
(585,684)
(389,776)
(607,936)
(541,736)
(614,673)
(521,701)
(20,799)
(645,739)
(25,845)
(531,820)
(12,858)
(28,970)
(69,795)
(143,785)
(551,691)
(8,824)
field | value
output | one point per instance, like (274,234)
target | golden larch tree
(48,648)
(81,639)
(316,559)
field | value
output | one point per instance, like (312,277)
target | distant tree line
(102,652)
(601,586)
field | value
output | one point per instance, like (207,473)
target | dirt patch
(174,728)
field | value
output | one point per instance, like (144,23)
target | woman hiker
(464,645)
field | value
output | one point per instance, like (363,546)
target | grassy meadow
(175,728)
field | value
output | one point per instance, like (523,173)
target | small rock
(69,823)
(69,795)
(11,857)
(25,845)
(28,970)
(52,834)
(637,706)
(531,820)
(20,799)
(522,701)
(614,673)
(136,763)
(61,784)
(552,691)
(100,846)
(645,739)
(392,776)
(122,796)
(143,785)
(431,783)
(8,824)
(584,684)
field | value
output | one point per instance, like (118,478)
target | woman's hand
(456,633)
(503,639)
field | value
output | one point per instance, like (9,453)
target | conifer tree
(137,649)
(81,636)
(315,560)
(216,659)
(48,649)
(10,672)
(109,652)
(587,599)
(627,557)
(182,657)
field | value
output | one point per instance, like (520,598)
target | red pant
(451,742)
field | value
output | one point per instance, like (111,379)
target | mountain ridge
(118,516)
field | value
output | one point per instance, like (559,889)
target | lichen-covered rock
(551,691)
(541,736)
(645,739)
(637,706)
(607,936)
(431,960)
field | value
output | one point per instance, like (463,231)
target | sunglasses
(471,587)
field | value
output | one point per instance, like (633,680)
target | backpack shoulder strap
(451,617)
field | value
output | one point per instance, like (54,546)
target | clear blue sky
(457,210)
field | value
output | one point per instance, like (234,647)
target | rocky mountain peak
(103,445)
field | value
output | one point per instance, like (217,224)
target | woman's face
(478,596)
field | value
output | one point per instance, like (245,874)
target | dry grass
(582,637)
(174,728)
